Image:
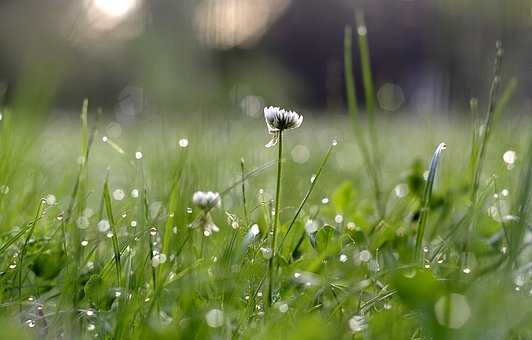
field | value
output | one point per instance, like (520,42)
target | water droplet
(312,178)
(109,234)
(60,216)
(343,258)
(509,157)
(90,312)
(103,226)
(338,218)
(183,142)
(189,210)
(254,230)
(351,226)
(325,200)
(282,307)
(505,192)
(425,249)
(50,199)
(119,194)
(30,323)
(133,223)
(138,155)
(334,142)
(364,256)
(466,270)
(13,266)
(452,311)
(153,231)
(84,243)
(357,323)
(135,193)
(105,139)
(401,190)
(266,253)
(91,327)
(214,318)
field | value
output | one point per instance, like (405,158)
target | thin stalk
(24,247)
(109,211)
(427,195)
(275,218)
(242,169)
(352,107)
(309,191)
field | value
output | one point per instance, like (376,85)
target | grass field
(349,227)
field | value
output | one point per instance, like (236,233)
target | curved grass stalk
(109,211)
(427,195)
(309,191)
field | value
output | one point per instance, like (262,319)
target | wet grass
(344,266)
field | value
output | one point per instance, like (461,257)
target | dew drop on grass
(133,223)
(183,143)
(338,218)
(138,155)
(509,157)
(343,258)
(357,323)
(103,226)
(325,200)
(334,142)
(400,190)
(505,192)
(452,311)
(466,270)
(266,253)
(90,312)
(135,193)
(109,235)
(282,307)
(105,139)
(50,199)
(84,243)
(214,318)
(119,194)
(312,178)
(13,266)
(91,327)
(30,323)
(364,256)
(254,230)
(189,210)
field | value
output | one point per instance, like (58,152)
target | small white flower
(278,119)
(206,200)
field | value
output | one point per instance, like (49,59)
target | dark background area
(195,55)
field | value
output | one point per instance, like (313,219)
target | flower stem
(275,219)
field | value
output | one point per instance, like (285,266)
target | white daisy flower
(278,119)
(206,200)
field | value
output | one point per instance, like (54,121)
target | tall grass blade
(112,223)
(427,196)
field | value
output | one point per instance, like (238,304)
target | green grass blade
(427,196)
(110,216)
